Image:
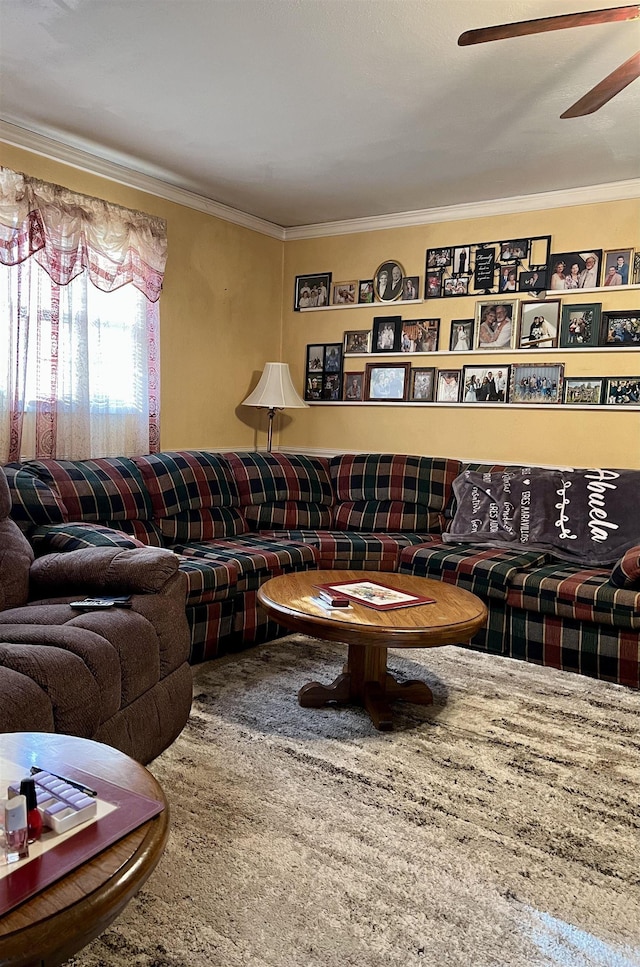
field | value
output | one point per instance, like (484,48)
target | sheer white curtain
(79,361)
(78,369)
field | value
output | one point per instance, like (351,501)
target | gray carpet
(498,827)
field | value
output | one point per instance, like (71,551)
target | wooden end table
(454,617)
(51,926)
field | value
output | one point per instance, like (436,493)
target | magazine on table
(372,594)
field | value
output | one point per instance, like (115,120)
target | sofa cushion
(16,556)
(350,549)
(485,571)
(203,525)
(32,500)
(179,480)
(69,537)
(208,578)
(394,477)
(255,558)
(266,477)
(385,515)
(294,514)
(109,488)
(586,516)
(572,591)
(626,571)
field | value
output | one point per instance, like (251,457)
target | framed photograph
(583,390)
(432,283)
(461,255)
(495,326)
(580,325)
(344,293)
(331,386)
(387,282)
(539,324)
(481,384)
(536,383)
(514,250)
(508,280)
(448,385)
(332,357)
(315,358)
(620,328)
(386,334)
(357,341)
(365,291)
(438,258)
(575,270)
(622,391)
(323,378)
(411,288)
(419,335)
(461,336)
(352,386)
(535,280)
(386,381)
(422,385)
(313,386)
(312,291)
(617,266)
(456,285)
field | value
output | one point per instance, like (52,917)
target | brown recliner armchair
(119,676)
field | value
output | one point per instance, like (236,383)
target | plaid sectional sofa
(237,519)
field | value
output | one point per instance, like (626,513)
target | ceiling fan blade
(606,89)
(525,27)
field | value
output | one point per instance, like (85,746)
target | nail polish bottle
(34,819)
(15,827)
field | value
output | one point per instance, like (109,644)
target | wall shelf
(491,406)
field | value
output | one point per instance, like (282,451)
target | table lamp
(275,391)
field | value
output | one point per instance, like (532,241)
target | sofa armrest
(102,570)
(626,571)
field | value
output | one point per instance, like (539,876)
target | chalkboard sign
(484,270)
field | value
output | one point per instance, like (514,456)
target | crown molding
(565,198)
(41,144)
(77,158)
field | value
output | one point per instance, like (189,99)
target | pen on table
(70,782)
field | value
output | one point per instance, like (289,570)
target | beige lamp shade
(275,391)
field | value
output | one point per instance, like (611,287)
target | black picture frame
(387,281)
(485,384)
(422,384)
(619,329)
(357,341)
(573,270)
(323,371)
(319,280)
(386,334)
(365,292)
(387,381)
(411,288)
(622,391)
(580,325)
(461,335)
(514,250)
(533,280)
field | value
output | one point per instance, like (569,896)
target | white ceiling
(308,111)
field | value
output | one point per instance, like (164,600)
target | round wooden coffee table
(55,923)
(454,617)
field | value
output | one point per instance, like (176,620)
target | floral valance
(67,233)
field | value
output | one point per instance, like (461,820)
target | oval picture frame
(386,286)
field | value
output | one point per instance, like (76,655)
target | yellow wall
(219,312)
(226,309)
(540,435)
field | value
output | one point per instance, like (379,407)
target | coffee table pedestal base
(365,681)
